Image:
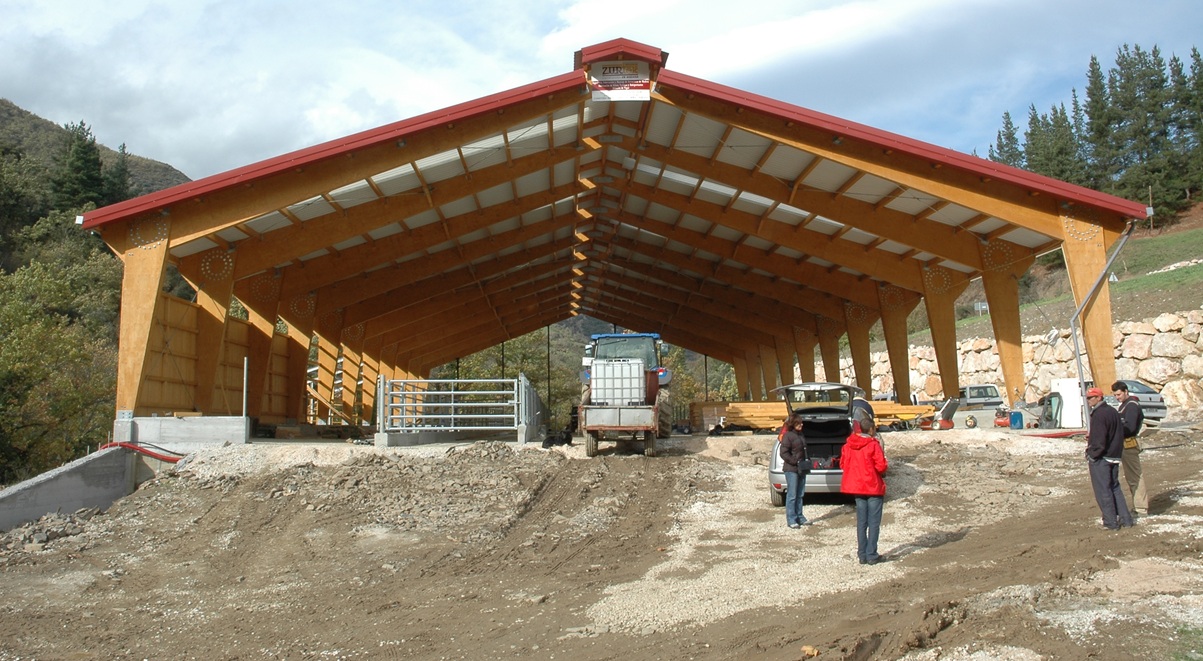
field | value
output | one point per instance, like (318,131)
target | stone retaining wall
(1165,352)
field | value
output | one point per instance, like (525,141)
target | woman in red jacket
(864,463)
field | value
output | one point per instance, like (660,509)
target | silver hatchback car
(826,410)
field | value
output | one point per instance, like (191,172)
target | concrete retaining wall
(184,434)
(96,480)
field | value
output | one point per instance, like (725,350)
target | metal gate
(459,405)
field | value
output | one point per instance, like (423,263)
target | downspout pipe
(1073,321)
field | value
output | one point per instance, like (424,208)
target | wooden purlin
(908,229)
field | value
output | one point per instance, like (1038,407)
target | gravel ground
(491,550)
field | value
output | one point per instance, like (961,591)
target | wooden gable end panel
(274,408)
(170,376)
(227,387)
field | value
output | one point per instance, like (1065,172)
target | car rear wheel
(777,498)
(591,444)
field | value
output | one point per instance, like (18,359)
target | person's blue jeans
(868,527)
(795,484)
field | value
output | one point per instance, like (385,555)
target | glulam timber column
(830,331)
(860,319)
(1002,265)
(352,352)
(770,366)
(261,298)
(298,314)
(785,359)
(804,345)
(371,374)
(213,293)
(896,306)
(1085,249)
(328,329)
(145,256)
(740,365)
(941,287)
(755,375)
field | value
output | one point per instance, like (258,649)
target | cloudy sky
(211,85)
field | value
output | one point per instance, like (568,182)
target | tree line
(59,301)
(1137,134)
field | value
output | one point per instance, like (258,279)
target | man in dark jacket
(1104,451)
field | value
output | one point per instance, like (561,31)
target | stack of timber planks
(754,415)
(887,413)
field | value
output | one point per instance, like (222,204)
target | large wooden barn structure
(737,226)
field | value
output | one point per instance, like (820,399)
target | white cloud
(209,85)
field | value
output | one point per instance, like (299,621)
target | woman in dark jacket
(864,463)
(793,458)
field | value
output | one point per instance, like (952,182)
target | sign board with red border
(620,80)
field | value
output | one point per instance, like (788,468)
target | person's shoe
(863,561)
(1115,527)
(795,525)
(872,561)
(805,523)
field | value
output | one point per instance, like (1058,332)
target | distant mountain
(42,142)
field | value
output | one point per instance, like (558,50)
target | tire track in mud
(582,503)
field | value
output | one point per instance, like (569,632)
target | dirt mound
(495,551)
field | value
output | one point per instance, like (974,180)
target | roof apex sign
(620,80)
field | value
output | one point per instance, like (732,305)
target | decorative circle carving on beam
(303,306)
(892,297)
(856,312)
(265,288)
(148,233)
(1080,224)
(331,321)
(996,256)
(827,324)
(217,265)
(936,280)
(354,332)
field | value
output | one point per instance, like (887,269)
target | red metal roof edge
(943,155)
(609,49)
(329,149)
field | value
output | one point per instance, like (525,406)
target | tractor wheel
(591,444)
(649,444)
(664,421)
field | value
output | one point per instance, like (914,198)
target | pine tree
(1139,90)
(1102,165)
(1006,148)
(1036,142)
(79,180)
(117,186)
(1188,92)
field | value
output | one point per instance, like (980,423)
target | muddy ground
(490,550)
